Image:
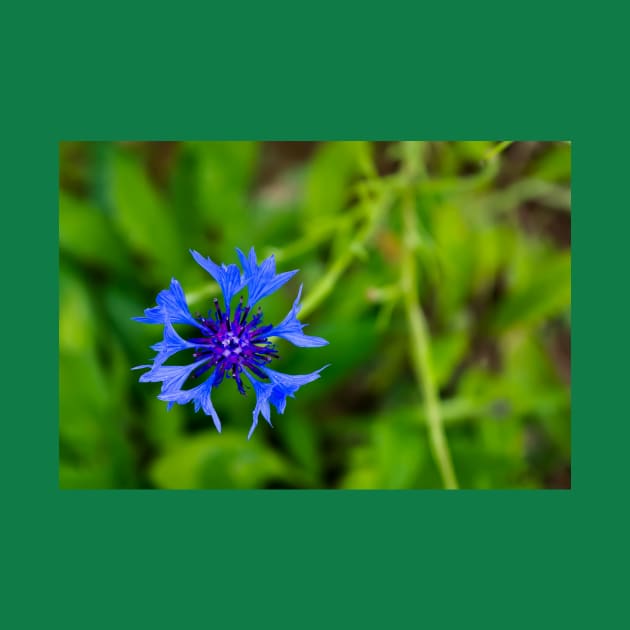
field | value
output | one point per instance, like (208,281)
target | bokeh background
(489,241)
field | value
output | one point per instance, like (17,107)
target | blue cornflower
(228,344)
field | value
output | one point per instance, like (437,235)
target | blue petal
(171,344)
(291,329)
(172,303)
(263,391)
(285,385)
(201,396)
(262,279)
(279,399)
(228,277)
(172,377)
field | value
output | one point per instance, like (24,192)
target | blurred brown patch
(277,157)
(536,218)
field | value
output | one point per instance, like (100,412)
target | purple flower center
(233,344)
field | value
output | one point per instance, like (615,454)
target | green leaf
(93,387)
(84,476)
(88,235)
(392,460)
(212,460)
(143,219)
(163,427)
(544,292)
(455,245)
(554,165)
(76,315)
(447,351)
(474,150)
(120,306)
(224,172)
(494,247)
(330,172)
(299,434)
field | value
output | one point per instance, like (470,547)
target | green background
(484,235)
(479,559)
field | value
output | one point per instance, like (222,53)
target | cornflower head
(234,345)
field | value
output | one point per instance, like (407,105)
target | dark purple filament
(234,344)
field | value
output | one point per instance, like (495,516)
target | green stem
(326,284)
(375,211)
(499,148)
(420,348)
(315,236)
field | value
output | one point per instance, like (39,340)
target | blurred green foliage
(493,253)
